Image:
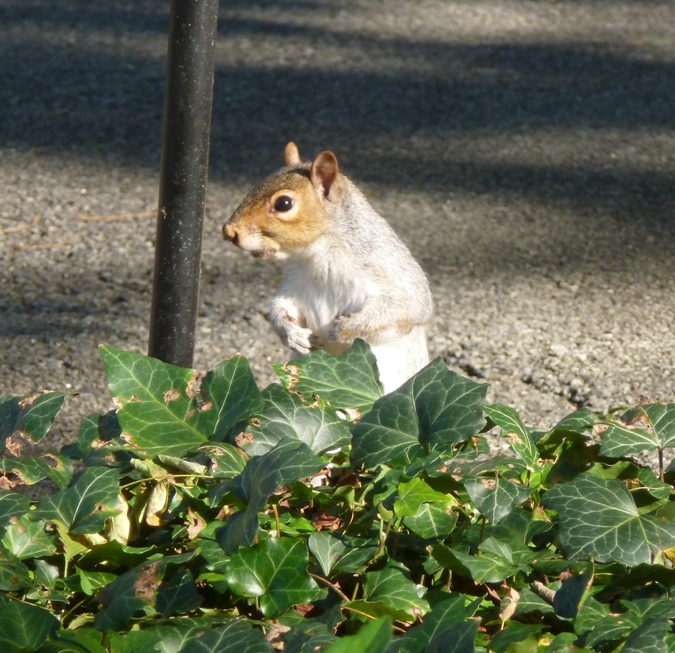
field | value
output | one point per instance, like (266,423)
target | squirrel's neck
(325,257)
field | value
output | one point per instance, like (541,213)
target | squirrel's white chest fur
(326,284)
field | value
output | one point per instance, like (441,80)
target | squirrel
(349,274)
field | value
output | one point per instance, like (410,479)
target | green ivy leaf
(33,415)
(576,422)
(70,546)
(504,639)
(647,573)
(227,461)
(491,567)
(433,409)
(126,595)
(85,505)
(645,428)
(373,637)
(651,607)
(431,521)
(518,527)
(90,582)
(9,418)
(162,410)
(46,574)
(388,431)
(350,380)
(612,627)
(341,554)
(230,386)
(392,588)
(157,415)
(571,428)
(177,595)
(39,414)
(163,638)
(276,571)
(284,416)
(446,628)
(82,640)
(28,539)
(14,575)
(650,637)
(237,636)
(495,498)
(327,548)
(598,517)
(591,612)
(33,470)
(662,419)
(568,597)
(307,637)
(531,602)
(412,494)
(138,588)
(240,529)
(619,440)
(287,462)
(435,627)
(652,493)
(12,506)
(87,434)
(563,643)
(513,428)
(24,627)
(205,635)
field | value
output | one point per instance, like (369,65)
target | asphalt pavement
(525,151)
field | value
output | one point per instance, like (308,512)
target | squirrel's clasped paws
(297,338)
(343,329)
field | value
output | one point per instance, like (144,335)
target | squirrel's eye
(283,203)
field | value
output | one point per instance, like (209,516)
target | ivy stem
(383,539)
(275,508)
(370,616)
(661,474)
(75,607)
(482,533)
(395,547)
(448,585)
(335,588)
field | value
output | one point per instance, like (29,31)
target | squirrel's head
(289,210)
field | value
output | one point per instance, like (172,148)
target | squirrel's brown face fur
(287,211)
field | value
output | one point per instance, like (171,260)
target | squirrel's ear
(292,155)
(324,175)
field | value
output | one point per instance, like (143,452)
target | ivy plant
(205,515)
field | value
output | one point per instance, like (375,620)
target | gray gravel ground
(524,150)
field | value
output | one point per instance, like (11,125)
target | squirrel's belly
(401,357)
(319,312)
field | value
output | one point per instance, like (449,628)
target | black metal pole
(185,157)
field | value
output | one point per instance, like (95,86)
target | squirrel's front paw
(342,329)
(317,341)
(298,339)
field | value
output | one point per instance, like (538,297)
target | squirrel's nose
(229,232)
